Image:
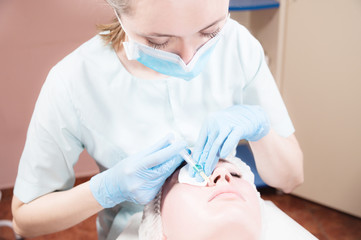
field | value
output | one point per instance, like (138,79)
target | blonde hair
(112,33)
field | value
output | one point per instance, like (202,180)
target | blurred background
(313,49)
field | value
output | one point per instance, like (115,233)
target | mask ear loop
(116,14)
(120,22)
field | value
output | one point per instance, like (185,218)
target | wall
(321,85)
(34,36)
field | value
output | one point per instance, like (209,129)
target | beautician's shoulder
(235,30)
(91,54)
(241,39)
(245,50)
(84,67)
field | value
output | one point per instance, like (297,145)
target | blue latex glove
(224,129)
(138,178)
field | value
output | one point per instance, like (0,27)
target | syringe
(187,157)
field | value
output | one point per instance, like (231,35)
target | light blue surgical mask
(167,63)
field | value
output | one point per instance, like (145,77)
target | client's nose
(220,175)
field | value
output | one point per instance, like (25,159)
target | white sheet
(278,225)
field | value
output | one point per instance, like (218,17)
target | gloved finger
(200,143)
(163,143)
(211,166)
(199,178)
(212,136)
(164,154)
(165,169)
(213,155)
(198,148)
(231,142)
(148,191)
(209,169)
(196,175)
(191,172)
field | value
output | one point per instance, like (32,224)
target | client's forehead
(228,164)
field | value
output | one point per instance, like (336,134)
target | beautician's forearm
(54,212)
(279,161)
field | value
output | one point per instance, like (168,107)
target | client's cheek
(181,197)
(180,207)
(254,207)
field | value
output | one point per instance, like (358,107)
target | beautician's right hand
(138,178)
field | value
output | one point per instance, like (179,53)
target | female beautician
(168,66)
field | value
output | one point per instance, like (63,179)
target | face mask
(169,63)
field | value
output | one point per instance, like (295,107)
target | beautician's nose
(186,50)
(220,175)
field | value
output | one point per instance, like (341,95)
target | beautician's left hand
(224,129)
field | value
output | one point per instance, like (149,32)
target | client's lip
(225,190)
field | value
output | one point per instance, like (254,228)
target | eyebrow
(169,35)
(235,167)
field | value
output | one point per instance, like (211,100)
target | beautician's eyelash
(236,175)
(212,34)
(157,45)
(165,44)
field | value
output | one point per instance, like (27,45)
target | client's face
(228,208)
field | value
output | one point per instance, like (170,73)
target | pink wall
(34,36)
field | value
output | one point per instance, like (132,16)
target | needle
(187,157)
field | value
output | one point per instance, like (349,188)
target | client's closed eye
(237,175)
